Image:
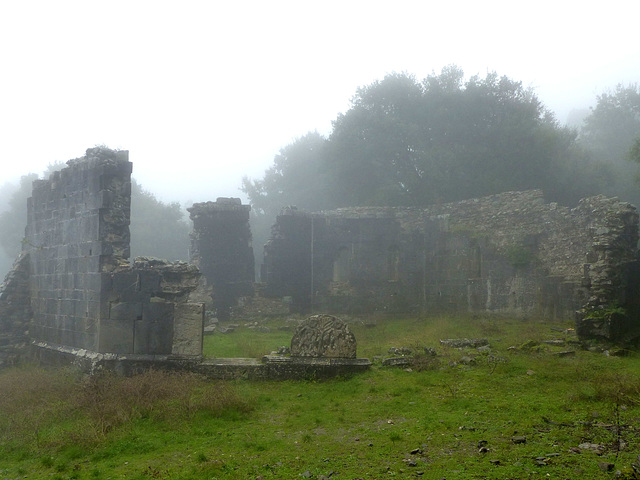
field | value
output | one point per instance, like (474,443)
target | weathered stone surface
(508,253)
(323,336)
(15,312)
(187,330)
(221,248)
(79,290)
(464,342)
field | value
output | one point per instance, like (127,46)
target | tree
(613,125)
(13,220)
(157,229)
(406,142)
(297,177)
(609,132)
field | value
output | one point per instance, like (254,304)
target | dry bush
(620,389)
(31,398)
(424,362)
(111,400)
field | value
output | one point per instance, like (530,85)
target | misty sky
(204,92)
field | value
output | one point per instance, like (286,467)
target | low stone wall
(270,367)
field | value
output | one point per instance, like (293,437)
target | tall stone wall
(84,293)
(77,234)
(511,253)
(221,248)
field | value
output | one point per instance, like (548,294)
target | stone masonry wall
(77,233)
(15,313)
(221,248)
(510,253)
(84,293)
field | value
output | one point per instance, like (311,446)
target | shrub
(111,400)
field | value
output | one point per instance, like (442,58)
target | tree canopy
(442,139)
(611,133)
(611,128)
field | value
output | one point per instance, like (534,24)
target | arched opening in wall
(393,263)
(341,265)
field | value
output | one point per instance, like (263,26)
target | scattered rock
(400,351)
(566,353)
(396,361)
(606,466)
(596,448)
(464,342)
(518,439)
(466,360)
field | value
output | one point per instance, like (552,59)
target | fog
(202,93)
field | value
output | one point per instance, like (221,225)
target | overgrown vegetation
(498,412)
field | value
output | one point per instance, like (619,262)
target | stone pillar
(221,248)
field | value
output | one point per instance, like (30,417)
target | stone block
(149,281)
(125,311)
(154,333)
(116,336)
(188,329)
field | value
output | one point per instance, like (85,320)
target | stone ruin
(74,294)
(221,248)
(83,294)
(511,253)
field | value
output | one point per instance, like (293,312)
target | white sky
(204,92)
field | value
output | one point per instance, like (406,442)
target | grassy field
(519,410)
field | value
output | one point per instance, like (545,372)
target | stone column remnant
(221,248)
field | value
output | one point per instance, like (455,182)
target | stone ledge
(272,367)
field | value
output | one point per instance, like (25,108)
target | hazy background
(202,93)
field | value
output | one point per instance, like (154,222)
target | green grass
(56,425)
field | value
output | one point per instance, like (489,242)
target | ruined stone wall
(221,248)
(509,253)
(15,313)
(84,293)
(77,233)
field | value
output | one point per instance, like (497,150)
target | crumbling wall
(84,293)
(77,235)
(511,253)
(221,248)
(15,313)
